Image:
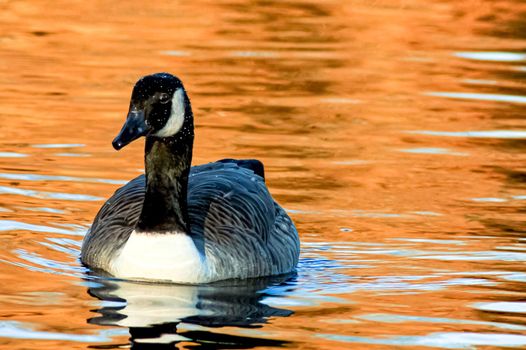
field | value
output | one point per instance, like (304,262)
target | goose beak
(133,128)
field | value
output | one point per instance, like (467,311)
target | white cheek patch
(175,122)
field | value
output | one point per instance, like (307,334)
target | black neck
(167,163)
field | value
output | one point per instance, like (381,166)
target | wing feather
(228,205)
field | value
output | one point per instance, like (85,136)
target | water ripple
(64,154)
(61,246)
(479,81)
(392,318)
(176,53)
(495,134)
(44,210)
(12,225)
(503,306)
(340,100)
(58,145)
(475,256)
(432,151)
(38,177)
(446,340)
(12,155)
(479,96)
(262,54)
(489,199)
(19,330)
(48,195)
(432,241)
(497,56)
(35,262)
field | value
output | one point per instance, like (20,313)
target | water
(392,131)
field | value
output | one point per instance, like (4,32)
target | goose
(182,224)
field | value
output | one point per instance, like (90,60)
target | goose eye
(164,98)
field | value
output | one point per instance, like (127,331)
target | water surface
(392,131)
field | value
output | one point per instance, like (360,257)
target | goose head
(159,107)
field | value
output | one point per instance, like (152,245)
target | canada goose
(186,224)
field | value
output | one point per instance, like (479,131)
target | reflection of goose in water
(153,311)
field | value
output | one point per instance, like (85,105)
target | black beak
(133,128)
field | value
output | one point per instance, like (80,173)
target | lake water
(393,132)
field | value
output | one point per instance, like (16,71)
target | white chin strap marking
(175,122)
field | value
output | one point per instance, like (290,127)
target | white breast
(171,257)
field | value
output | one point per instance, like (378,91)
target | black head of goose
(186,224)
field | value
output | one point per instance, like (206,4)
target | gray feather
(244,230)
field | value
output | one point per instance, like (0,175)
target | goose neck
(167,166)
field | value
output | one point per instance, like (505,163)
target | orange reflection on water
(412,226)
